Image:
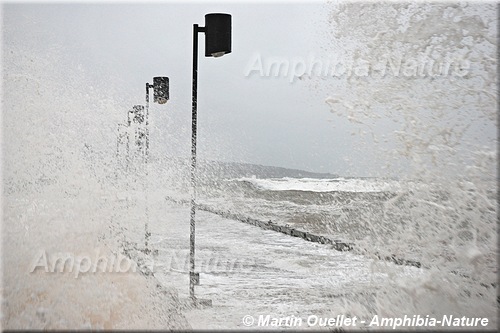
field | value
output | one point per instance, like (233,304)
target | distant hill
(236,170)
(216,169)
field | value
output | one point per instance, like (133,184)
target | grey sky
(262,120)
(257,120)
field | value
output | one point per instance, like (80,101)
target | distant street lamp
(136,117)
(124,134)
(217,43)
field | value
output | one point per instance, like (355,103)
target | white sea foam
(324,185)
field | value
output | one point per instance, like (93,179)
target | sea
(449,223)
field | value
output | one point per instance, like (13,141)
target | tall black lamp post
(217,43)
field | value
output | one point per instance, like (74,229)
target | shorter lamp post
(161,96)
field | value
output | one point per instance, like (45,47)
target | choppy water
(450,228)
(374,213)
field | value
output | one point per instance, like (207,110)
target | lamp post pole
(147,119)
(146,160)
(192,276)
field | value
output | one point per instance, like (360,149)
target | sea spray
(439,139)
(61,193)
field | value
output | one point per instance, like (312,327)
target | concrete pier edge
(338,245)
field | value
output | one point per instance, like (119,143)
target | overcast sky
(253,119)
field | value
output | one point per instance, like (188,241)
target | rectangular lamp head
(217,34)
(160,89)
(138,112)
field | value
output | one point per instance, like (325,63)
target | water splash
(441,129)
